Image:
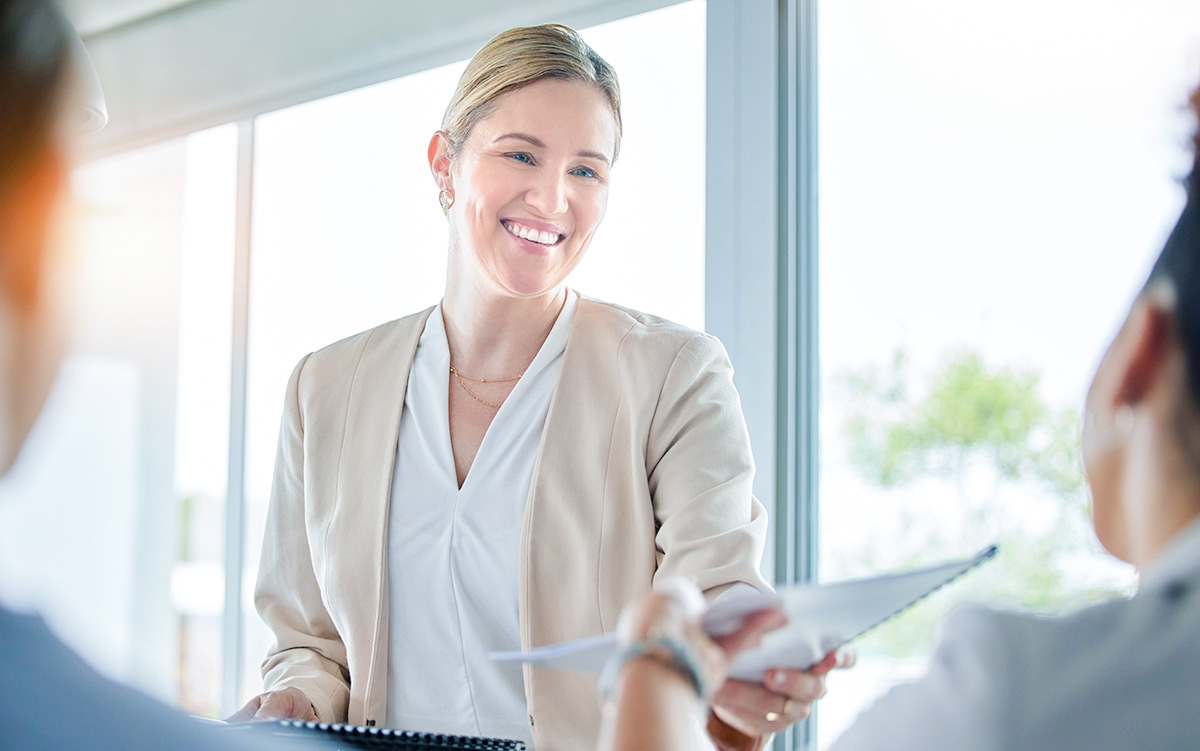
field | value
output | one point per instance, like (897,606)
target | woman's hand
(783,698)
(284,704)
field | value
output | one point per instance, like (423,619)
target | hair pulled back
(517,58)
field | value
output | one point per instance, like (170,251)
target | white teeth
(544,238)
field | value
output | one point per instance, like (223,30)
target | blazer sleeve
(711,528)
(308,652)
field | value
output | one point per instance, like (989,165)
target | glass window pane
(112,522)
(995,181)
(649,252)
(993,193)
(202,420)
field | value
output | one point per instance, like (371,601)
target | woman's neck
(1172,516)
(494,335)
(1161,486)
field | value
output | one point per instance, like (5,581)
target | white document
(821,618)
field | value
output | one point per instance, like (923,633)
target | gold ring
(777,716)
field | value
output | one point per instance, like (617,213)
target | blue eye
(521,156)
(585,172)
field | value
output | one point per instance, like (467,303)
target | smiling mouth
(532,235)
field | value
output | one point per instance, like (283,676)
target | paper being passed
(821,618)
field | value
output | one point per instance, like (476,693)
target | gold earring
(445,199)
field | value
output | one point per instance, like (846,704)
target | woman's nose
(548,195)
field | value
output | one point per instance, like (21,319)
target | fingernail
(777,678)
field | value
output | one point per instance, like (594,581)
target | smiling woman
(536,187)
(513,465)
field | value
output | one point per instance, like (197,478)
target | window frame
(761,246)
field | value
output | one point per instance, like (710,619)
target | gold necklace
(462,381)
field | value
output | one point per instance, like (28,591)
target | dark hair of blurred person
(33,65)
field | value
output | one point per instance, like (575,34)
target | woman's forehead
(552,114)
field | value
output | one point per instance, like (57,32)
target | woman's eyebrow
(594,155)
(535,141)
(523,137)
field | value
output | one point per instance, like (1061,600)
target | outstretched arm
(663,676)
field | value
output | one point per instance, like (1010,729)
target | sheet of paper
(821,618)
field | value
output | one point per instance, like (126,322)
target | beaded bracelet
(673,652)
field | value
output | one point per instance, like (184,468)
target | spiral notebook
(821,618)
(330,736)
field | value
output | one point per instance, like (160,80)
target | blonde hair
(519,57)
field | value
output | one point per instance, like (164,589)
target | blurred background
(915,224)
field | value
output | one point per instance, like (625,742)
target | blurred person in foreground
(49,698)
(1123,674)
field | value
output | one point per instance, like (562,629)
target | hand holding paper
(821,618)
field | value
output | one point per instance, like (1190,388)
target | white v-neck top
(453,554)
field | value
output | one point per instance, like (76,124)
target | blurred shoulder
(1020,638)
(964,700)
(42,676)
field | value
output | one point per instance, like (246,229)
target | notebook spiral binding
(359,736)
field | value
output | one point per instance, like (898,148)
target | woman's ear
(439,160)
(27,211)
(1150,338)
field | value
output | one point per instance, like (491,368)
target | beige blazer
(644,471)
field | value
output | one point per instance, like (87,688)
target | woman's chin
(527,286)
